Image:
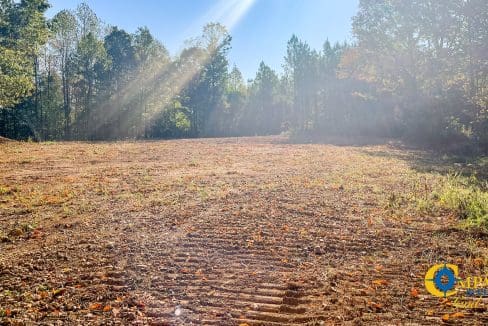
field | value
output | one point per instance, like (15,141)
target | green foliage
(23,30)
(262,114)
(426,57)
(173,121)
(416,71)
(15,77)
(119,47)
(467,199)
(205,92)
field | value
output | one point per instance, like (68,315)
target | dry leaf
(36,234)
(95,306)
(443,300)
(8,312)
(380,282)
(141,305)
(457,315)
(375,306)
(445,317)
(478,262)
(414,292)
(107,308)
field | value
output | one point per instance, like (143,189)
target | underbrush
(466,198)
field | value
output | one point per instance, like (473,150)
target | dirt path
(219,232)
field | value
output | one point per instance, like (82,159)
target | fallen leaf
(375,306)
(445,317)
(443,300)
(478,262)
(8,312)
(457,315)
(414,292)
(107,308)
(36,234)
(95,306)
(141,305)
(58,292)
(380,282)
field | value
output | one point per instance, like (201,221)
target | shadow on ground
(420,159)
(431,161)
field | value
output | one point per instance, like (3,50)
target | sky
(260,29)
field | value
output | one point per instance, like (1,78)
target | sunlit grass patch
(465,198)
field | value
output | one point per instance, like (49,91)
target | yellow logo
(440,280)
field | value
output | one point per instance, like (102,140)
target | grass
(467,199)
(463,197)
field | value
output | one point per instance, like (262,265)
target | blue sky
(261,32)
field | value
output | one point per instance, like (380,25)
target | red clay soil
(219,232)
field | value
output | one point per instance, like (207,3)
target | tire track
(218,275)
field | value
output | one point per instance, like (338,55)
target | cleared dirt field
(221,232)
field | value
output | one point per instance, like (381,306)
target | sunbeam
(156,80)
(226,12)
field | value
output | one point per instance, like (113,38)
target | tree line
(416,70)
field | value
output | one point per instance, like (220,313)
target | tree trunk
(48,94)
(66,99)
(36,125)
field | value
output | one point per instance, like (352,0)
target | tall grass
(463,197)
(467,198)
